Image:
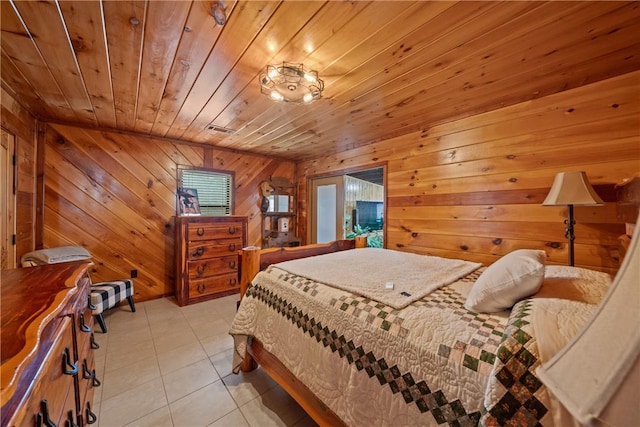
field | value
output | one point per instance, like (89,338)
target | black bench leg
(130,299)
(100,321)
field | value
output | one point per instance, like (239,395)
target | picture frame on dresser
(188,203)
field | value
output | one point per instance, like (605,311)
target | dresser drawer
(213,285)
(213,248)
(53,385)
(214,231)
(213,267)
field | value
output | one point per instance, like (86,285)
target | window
(215,190)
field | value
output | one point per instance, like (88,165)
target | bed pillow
(516,275)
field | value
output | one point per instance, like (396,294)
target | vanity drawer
(213,248)
(224,283)
(213,266)
(200,231)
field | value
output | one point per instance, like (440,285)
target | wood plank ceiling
(165,68)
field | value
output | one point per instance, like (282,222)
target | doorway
(327,209)
(345,205)
(7,201)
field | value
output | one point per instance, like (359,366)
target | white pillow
(515,276)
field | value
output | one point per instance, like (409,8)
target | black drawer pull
(86,373)
(232,247)
(42,419)
(232,265)
(68,367)
(90,374)
(70,422)
(198,252)
(95,381)
(201,269)
(91,306)
(83,326)
(232,282)
(91,417)
(232,230)
(201,288)
(93,343)
(200,231)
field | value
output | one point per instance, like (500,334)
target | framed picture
(188,203)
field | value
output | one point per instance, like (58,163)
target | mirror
(278,203)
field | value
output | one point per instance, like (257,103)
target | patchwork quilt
(431,363)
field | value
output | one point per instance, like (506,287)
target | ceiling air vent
(215,128)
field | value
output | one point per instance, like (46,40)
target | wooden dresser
(48,373)
(207,255)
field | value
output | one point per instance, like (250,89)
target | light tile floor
(167,365)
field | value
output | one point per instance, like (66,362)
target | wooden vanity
(48,372)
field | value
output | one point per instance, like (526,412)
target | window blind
(214,190)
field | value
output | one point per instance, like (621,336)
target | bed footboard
(253,259)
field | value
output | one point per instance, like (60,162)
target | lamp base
(570,222)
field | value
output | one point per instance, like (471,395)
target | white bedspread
(430,363)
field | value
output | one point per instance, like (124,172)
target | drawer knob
(200,231)
(232,265)
(83,326)
(68,367)
(232,247)
(42,419)
(201,288)
(201,269)
(232,282)
(232,230)
(91,417)
(198,252)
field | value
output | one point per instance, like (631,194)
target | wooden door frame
(341,172)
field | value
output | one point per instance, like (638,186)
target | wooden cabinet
(207,256)
(48,371)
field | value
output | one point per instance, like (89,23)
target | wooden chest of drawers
(48,373)
(207,256)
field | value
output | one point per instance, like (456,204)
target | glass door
(327,209)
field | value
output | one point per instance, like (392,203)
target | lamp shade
(596,375)
(572,188)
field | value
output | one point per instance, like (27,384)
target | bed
(353,357)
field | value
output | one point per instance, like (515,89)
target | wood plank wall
(19,122)
(473,188)
(114,194)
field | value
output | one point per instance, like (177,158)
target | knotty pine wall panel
(19,122)
(473,188)
(114,194)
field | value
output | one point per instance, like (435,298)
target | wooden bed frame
(253,260)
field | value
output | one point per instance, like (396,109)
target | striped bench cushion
(105,295)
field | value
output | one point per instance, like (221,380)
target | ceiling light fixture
(291,83)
